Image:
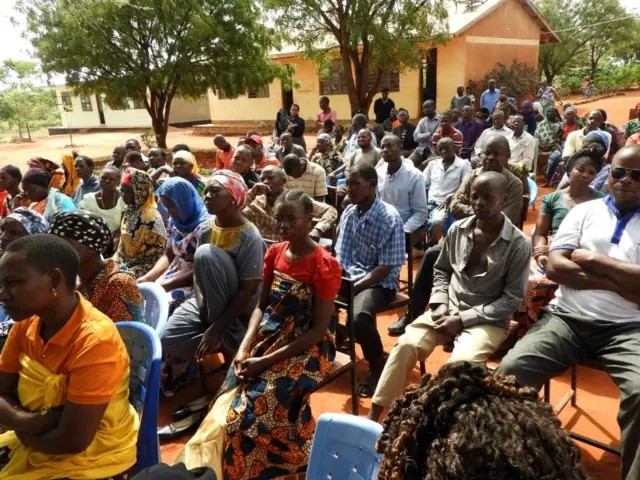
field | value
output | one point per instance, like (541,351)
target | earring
(55,292)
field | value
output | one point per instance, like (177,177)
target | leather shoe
(398,327)
(190,408)
(175,430)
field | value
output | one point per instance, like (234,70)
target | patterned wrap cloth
(234,184)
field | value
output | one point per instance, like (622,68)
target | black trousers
(424,281)
(366,304)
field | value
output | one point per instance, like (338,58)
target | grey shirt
(297,149)
(244,244)
(490,297)
(425,130)
(92,185)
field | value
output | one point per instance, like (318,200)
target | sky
(17,48)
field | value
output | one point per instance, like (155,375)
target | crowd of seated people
(253,257)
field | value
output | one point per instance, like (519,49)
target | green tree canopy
(21,101)
(364,35)
(589,29)
(153,50)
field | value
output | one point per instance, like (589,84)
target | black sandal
(368,385)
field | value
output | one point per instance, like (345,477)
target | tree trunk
(155,108)
(19,128)
(28,131)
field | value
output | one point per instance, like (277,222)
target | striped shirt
(455,135)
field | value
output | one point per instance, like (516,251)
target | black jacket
(408,144)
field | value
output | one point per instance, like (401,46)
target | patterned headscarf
(72,180)
(186,199)
(570,109)
(87,228)
(37,176)
(325,136)
(598,136)
(189,158)
(234,184)
(142,185)
(43,164)
(32,221)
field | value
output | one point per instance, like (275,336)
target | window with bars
(85,101)
(65,98)
(262,93)
(138,104)
(336,83)
(390,80)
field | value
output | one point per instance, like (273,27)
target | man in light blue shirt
(425,130)
(358,123)
(489,97)
(402,185)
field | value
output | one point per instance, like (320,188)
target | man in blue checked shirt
(371,249)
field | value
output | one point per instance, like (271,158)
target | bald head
(488,194)
(429,108)
(359,121)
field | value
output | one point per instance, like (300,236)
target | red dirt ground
(598,397)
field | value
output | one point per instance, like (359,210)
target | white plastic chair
(155,306)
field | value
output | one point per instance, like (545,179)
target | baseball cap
(255,138)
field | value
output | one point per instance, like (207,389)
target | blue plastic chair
(344,447)
(533,192)
(155,306)
(145,353)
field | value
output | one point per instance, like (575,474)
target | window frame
(137,104)
(260,93)
(85,103)
(327,84)
(67,101)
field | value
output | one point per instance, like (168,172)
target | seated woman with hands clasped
(260,425)
(64,372)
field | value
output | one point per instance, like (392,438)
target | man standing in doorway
(424,131)
(325,113)
(489,96)
(382,106)
(460,100)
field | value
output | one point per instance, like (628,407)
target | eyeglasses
(618,173)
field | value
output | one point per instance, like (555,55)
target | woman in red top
(260,425)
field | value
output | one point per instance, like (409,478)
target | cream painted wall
(244,108)
(77,118)
(130,118)
(307,95)
(452,58)
(183,110)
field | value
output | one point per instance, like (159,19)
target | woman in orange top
(260,425)
(66,361)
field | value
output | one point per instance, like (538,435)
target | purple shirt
(470,132)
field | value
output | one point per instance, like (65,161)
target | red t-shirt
(318,269)
(567,129)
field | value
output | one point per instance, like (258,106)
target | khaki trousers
(474,344)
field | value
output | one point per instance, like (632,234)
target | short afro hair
(47,252)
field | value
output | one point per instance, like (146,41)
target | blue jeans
(552,164)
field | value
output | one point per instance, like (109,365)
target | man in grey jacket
(480,280)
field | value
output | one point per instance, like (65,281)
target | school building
(482,34)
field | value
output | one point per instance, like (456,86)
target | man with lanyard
(595,259)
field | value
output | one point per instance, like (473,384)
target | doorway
(429,77)
(100,109)
(287,95)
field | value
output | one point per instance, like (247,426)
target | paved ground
(100,144)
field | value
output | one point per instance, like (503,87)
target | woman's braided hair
(466,424)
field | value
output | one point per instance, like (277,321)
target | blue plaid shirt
(370,241)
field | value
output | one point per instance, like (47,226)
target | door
(100,109)
(429,76)
(287,95)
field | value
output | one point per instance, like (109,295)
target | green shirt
(553,206)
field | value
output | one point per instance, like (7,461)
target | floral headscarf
(234,184)
(72,180)
(87,228)
(142,185)
(32,221)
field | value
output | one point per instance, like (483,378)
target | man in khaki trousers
(480,279)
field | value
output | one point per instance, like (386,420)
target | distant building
(80,112)
(483,34)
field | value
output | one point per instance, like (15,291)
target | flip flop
(176,430)
(190,408)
